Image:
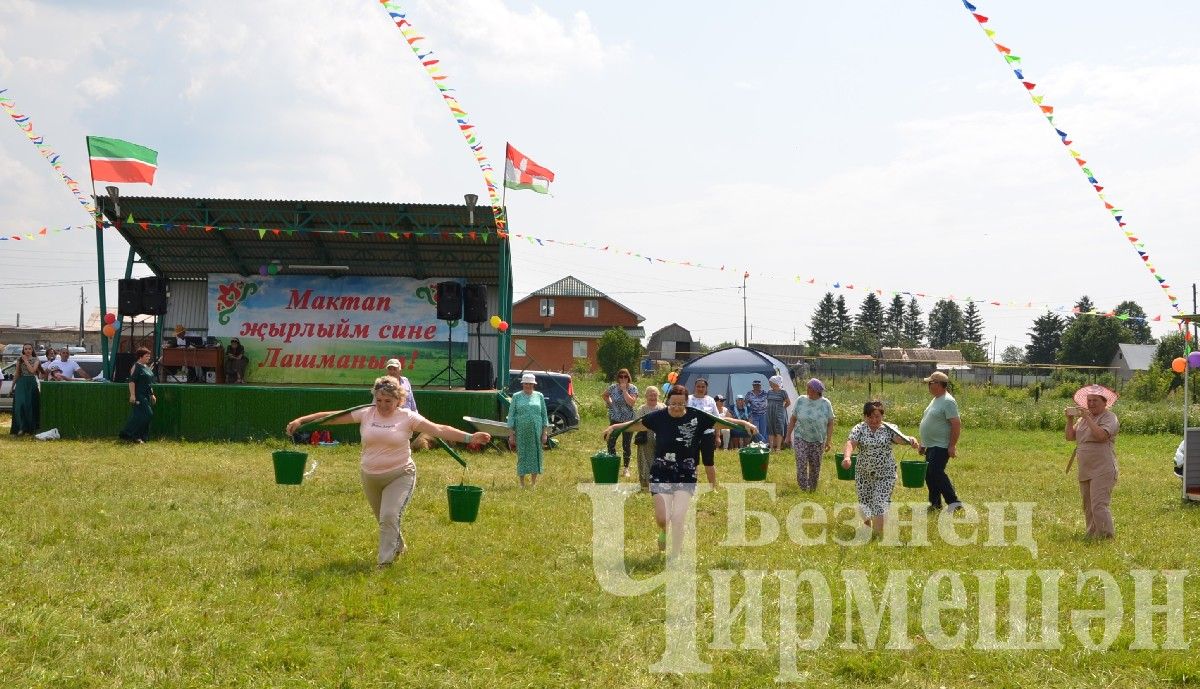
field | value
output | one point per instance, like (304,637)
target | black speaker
(475,302)
(129,297)
(479,374)
(154,296)
(121,366)
(449,301)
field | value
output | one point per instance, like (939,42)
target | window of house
(579,349)
(591,308)
(547,307)
(519,348)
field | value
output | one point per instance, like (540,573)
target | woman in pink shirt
(387,469)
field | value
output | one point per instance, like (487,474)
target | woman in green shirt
(141,396)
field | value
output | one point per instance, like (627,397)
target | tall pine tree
(844,322)
(914,325)
(945,324)
(824,326)
(1045,339)
(972,324)
(893,323)
(870,316)
(1136,323)
(1084,305)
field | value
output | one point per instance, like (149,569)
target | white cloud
(514,46)
(98,88)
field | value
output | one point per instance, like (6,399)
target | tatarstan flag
(114,160)
(522,173)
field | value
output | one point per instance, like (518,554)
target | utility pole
(745,336)
(81,316)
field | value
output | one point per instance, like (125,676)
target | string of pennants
(831,286)
(25,124)
(1047,111)
(433,68)
(264,232)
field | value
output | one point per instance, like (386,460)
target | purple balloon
(262,270)
(1194,360)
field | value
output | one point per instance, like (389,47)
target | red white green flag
(114,160)
(522,173)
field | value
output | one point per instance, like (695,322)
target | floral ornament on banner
(839,285)
(1047,111)
(432,67)
(26,125)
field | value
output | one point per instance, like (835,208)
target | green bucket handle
(453,454)
(335,414)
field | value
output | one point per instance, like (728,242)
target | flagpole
(504,187)
(99,225)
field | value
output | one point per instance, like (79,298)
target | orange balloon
(1179,365)
(672,377)
(108,331)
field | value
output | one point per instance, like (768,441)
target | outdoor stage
(242,412)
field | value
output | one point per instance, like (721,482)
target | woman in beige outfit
(1095,434)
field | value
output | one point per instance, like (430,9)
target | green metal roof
(188,238)
(575,331)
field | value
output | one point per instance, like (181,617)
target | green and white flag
(114,160)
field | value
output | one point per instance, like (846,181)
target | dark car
(559,391)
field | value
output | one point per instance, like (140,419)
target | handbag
(639,438)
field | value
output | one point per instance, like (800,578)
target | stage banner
(315,329)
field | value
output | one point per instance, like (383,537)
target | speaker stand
(449,369)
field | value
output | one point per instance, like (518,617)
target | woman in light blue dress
(530,426)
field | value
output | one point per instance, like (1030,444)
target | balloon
(273,268)
(110,317)
(1194,360)
(672,377)
(108,330)
(262,270)
(1179,365)
(495,321)
(503,327)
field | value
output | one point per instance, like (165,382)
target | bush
(1149,386)
(581,367)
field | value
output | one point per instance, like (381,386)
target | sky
(884,145)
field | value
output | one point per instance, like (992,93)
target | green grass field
(182,564)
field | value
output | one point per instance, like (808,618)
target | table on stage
(204,357)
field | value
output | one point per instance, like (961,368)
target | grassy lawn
(183,564)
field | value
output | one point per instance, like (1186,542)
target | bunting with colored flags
(520,172)
(1047,111)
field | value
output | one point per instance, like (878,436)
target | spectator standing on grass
(26,398)
(699,399)
(811,429)
(777,405)
(723,438)
(940,428)
(1093,427)
(756,399)
(141,399)
(530,424)
(620,397)
(645,449)
(738,437)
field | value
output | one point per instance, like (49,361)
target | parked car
(559,391)
(92,364)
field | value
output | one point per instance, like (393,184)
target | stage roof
(188,238)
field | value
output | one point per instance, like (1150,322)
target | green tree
(945,324)
(1084,305)
(844,322)
(1045,339)
(861,341)
(870,318)
(617,350)
(972,324)
(823,328)
(1012,354)
(893,323)
(972,352)
(1091,341)
(1136,323)
(914,325)
(1169,349)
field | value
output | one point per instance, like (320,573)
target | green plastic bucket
(912,472)
(289,466)
(754,463)
(844,474)
(464,502)
(605,467)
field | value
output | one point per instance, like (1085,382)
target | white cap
(528,378)
(393,363)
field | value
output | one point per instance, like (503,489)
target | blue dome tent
(729,372)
